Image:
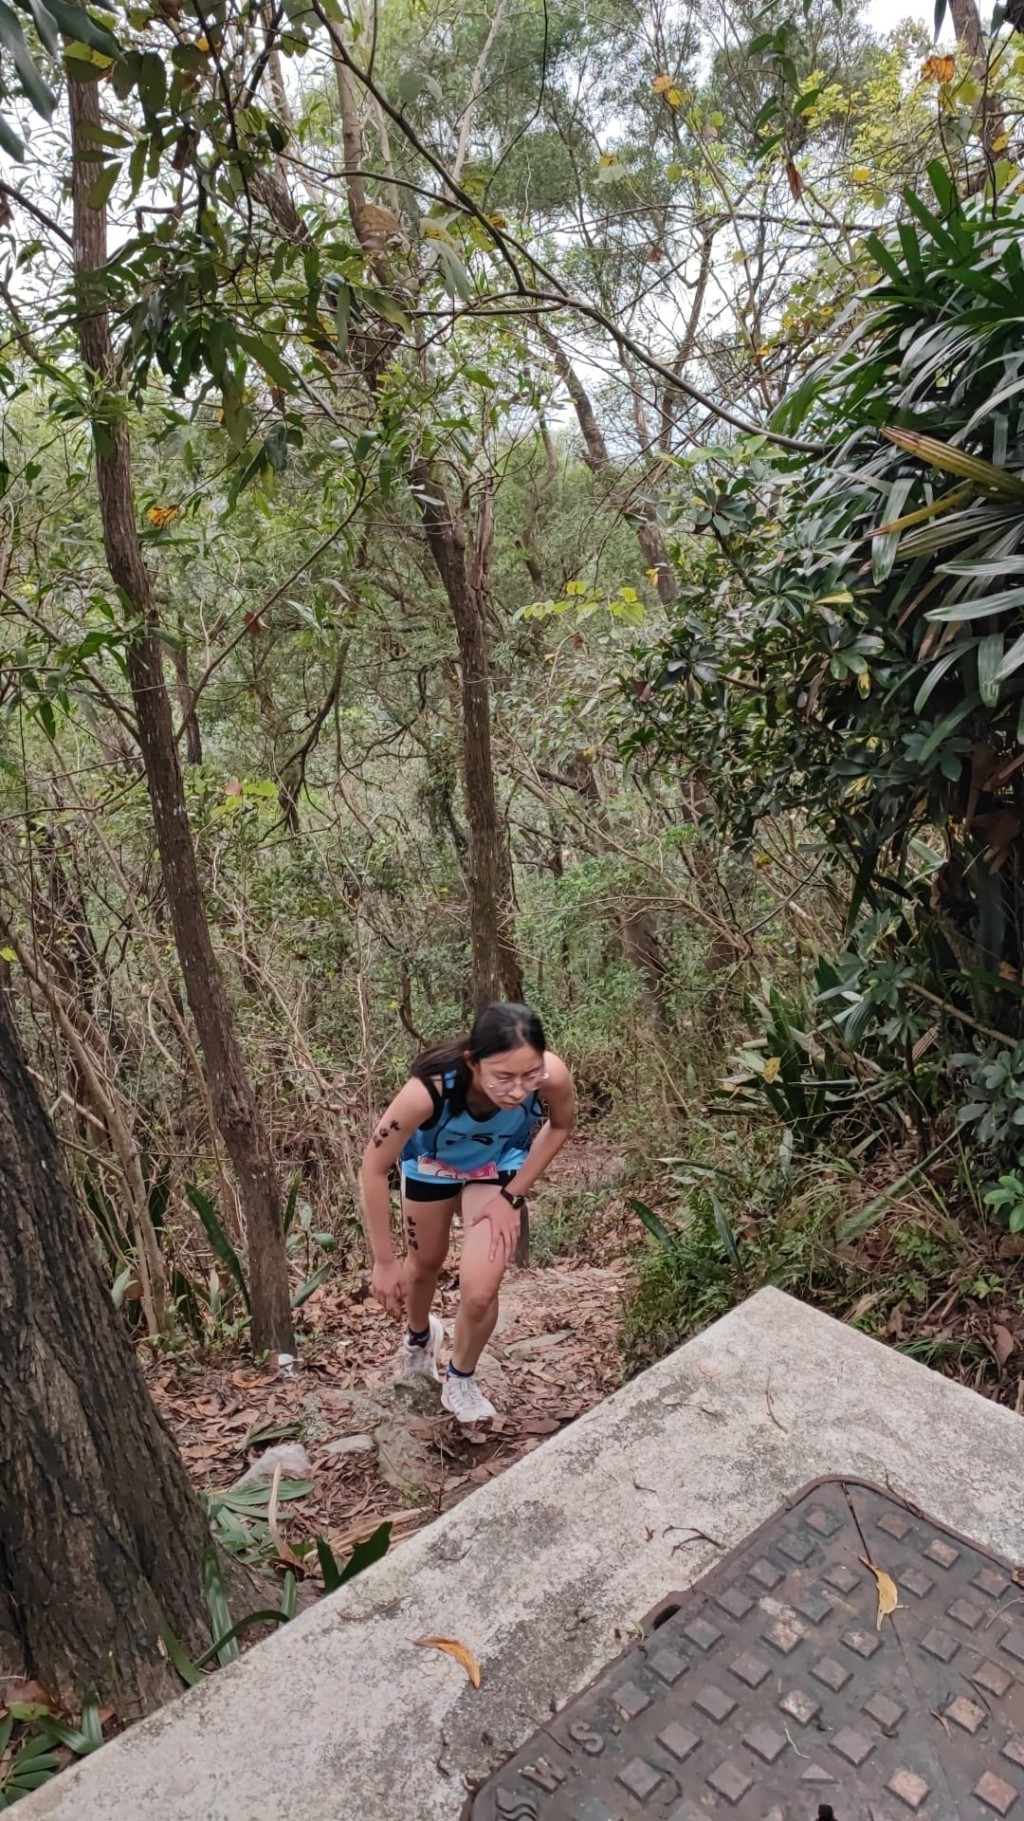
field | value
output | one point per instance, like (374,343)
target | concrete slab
(546,1572)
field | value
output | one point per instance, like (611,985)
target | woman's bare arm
(410,1107)
(561,1101)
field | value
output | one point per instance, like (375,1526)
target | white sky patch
(885,15)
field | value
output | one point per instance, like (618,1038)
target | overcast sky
(884,14)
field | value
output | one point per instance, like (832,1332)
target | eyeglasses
(504,1082)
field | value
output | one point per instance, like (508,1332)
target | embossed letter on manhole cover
(769,1693)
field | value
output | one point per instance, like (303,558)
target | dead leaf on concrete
(452,1648)
(888,1592)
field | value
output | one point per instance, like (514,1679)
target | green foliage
(993,1078)
(217,1237)
(227,1632)
(1006,1198)
(724,1233)
(363,1556)
(238,1518)
(30,1756)
(561,1223)
(280,378)
(851,648)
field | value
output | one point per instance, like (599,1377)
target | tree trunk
(598,460)
(495,964)
(186,700)
(101,1536)
(234,1103)
(967,26)
(96,1072)
(496,972)
(990,112)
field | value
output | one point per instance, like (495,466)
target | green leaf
(652,1221)
(884,260)
(944,187)
(454,273)
(99,192)
(228,1640)
(12,40)
(960,611)
(328,1565)
(217,1606)
(218,1238)
(80,27)
(938,671)
(1012,661)
(948,725)
(288,1596)
(385,306)
(296,1182)
(725,1232)
(885,544)
(938,454)
(990,657)
(305,1291)
(365,1554)
(268,358)
(46,26)
(10,142)
(179,1658)
(342,314)
(137,166)
(152,81)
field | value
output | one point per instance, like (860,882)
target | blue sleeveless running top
(460,1146)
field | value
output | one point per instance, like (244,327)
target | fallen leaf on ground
(888,1592)
(26,1694)
(1003,1343)
(538,1425)
(452,1648)
(863,1304)
(537,1343)
(284,1551)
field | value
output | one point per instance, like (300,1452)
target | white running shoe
(463,1398)
(422,1361)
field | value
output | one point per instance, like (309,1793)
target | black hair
(496,1030)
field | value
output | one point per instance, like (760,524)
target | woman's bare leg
(427,1226)
(479,1282)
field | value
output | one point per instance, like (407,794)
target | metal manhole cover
(768,1693)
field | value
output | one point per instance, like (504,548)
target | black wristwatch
(514,1201)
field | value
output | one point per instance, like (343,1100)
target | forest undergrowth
(523,504)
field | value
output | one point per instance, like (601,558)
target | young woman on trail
(470,1131)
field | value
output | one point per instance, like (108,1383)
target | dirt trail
(378,1451)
